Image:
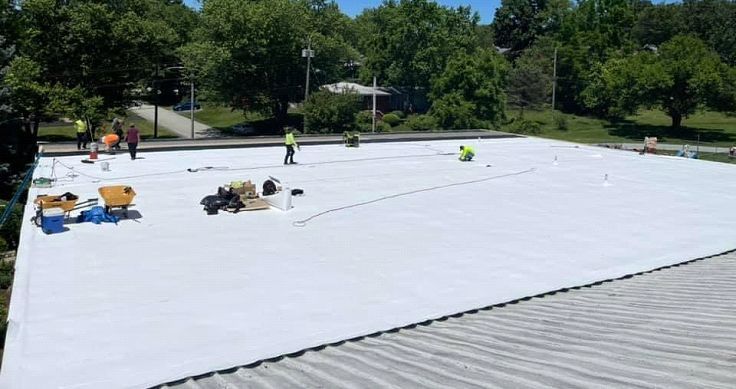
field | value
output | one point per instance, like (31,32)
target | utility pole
(191,101)
(554,80)
(309,54)
(374,105)
(155,104)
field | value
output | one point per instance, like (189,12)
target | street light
(191,98)
(157,89)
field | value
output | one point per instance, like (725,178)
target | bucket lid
(53,212)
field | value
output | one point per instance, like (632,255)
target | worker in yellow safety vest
(290,143)
(466,153)
(81,128)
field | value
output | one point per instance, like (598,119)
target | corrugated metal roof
(671,328)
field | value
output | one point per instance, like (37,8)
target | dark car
(186,106)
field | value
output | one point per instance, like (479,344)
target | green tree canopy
(683,76)
(518,23)
(327,112)
(470,92)
(530,80)
(595,31)
(408,42)
(98,50)
(248,53)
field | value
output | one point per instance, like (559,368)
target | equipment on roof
(117,196)
(269,188)
(97,215)
(351,139)
(43,182)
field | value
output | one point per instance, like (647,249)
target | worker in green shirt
(290,143)
(81,128)
(466,153)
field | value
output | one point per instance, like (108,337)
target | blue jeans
(468,157)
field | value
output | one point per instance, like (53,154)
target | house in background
(383,98)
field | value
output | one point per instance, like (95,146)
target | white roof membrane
(178,293)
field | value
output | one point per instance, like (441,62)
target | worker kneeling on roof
(110,140)
(466,153)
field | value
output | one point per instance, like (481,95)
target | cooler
(52,220)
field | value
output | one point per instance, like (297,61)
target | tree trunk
(34,129)
(281,110)
(676,120)
(27,126)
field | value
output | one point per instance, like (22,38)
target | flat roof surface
(672,328)
(396,233)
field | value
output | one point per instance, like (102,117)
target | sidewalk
(172,121)
(70,148)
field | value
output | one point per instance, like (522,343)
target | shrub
(391,119)
(6,274)
(364,117)
(400,114)
(523,126)
(11,229)
(560,121)
(383,127)
(421,123)
(327,112)
(453,112)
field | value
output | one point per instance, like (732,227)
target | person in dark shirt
(132,138)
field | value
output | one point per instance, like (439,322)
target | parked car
(186,106)
(243,129)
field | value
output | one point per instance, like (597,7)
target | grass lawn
(218,116)
(714,128)
(222,118)
(67,133)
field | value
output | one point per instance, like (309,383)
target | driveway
(172,121)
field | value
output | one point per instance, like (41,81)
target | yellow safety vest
(290,140)
(81,126)
(467,150)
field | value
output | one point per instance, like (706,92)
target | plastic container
(52,220)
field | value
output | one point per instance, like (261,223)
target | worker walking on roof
(132,138)
(466,153)
(290,143)
(81,127)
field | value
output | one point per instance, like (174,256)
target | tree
(96,48)
(469,93)
(8,37)
(714,22)
(595,31)
(530,80)
(656,24)
(683,76)
(621,85)
(518,23)
(327,112)
(248,53)
(409,42)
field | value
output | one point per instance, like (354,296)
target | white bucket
(105,166)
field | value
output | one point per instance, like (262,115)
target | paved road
(174,122)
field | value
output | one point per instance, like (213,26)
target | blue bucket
(52,220)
